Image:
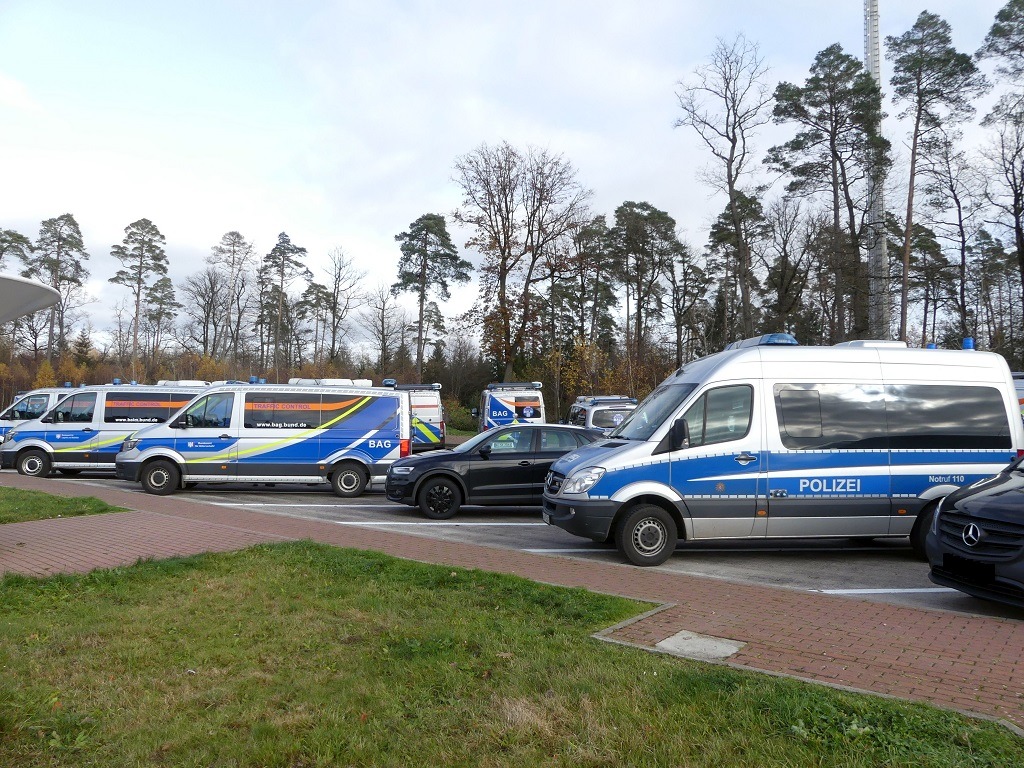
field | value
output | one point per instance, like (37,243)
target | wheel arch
(682,521)
(447,475)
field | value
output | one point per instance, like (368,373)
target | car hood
(995,498)
(593,455)
(427,457)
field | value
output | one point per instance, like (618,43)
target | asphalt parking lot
(878,570)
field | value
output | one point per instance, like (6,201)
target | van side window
(281,410)
(211,411)
(720,415)
(944,416)
(831,416)
(139,407)
(76,409)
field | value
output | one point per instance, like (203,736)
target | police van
(428,418)
(84,431)
(31,405)
(271,433)
(774,440)
(510,403)
(603,413)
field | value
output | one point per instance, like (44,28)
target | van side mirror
(47,419)
(680,434)
(474,413)
(180,423)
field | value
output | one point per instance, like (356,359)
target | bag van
(84,431)
(31,405)
(271,433)
(773,440)
(428,417)
(510,403)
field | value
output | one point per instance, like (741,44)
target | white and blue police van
(514,402)
(344,436)
(85,429)
(773,440)
(601,412)
(30,405)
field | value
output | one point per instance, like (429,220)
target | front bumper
(7,459)
(589,518)
(127,470)
(400,489)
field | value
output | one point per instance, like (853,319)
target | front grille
(1000,540)
(553,483)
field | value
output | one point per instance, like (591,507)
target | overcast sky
(339,122)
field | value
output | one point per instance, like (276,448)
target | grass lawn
(307,655)
(17,506)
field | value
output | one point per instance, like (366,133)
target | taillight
(404,448)
(1020,452)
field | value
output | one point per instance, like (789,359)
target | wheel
(920,531)
(439,498)
(161,478)
(34,463)
(69,472)
(348,480)
(647,535)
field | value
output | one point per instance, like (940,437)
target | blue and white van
(514,402)
(428,418)
(31,405)
(770,440)
(345,436)
(84,431)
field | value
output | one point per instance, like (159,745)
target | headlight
(8,436)
(130,444)
(582,480)
(401,470)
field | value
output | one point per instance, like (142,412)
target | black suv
(976,540)
(502,466)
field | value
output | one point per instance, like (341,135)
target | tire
(34,463)
(160,478)
(439,498)
(920,531)
(646,535)
(348,480)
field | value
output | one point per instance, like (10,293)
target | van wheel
(439,498)
(34,463)
(348,481)
(647,535)
(160,478)
(920,531)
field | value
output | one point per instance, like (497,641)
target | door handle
(779,494)
(87,429)
(745,458)
(225,437)
(525,463)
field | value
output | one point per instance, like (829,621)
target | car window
(512,441)
(557,440)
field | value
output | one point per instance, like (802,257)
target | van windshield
(659,406)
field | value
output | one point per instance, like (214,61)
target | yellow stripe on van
(431,437)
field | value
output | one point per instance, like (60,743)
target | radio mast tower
(879,294)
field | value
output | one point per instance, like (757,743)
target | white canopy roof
(21,296)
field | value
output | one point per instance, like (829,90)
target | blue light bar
(767,340)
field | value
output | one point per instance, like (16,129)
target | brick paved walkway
(969,663)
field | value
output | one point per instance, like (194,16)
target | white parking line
(885,591)
(362,523)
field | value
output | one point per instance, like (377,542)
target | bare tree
(726,101)
(384,322)
(519,203)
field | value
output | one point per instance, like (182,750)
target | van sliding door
(830,474)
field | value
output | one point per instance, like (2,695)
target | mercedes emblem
(971,534)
